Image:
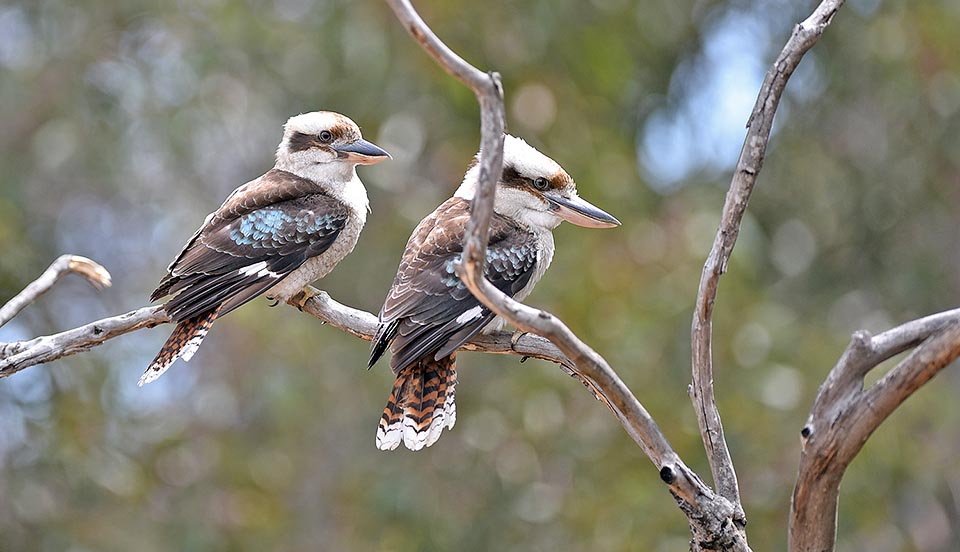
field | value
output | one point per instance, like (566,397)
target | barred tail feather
(182,343)
(421,404)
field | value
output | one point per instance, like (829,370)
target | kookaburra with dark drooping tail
(429,313)
(273,235)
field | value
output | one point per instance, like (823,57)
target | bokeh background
(125,122)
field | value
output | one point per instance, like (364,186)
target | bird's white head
(324,145)
(535,191)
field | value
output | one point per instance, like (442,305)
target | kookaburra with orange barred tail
(429,313)
(273,235)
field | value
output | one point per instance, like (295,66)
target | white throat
(331,171)
(336,178)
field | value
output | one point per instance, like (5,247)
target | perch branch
(804,36)
(844,415)
(22,354)
(94,273)
(706,512)
(363,324)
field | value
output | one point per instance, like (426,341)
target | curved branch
(844,415)
(804,36)
(489,93)
(95,274)
(706,512)
(490,96)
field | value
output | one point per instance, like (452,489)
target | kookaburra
(429,313)
(273,235)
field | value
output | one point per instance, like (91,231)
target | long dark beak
(580,212)
(362,152)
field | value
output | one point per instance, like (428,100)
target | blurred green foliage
(124,123)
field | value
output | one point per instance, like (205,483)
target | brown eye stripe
(301,141)
(513,178)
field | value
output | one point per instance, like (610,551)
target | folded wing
(263,232)
(429,311)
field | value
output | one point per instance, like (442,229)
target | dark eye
(326,136)
(541,183)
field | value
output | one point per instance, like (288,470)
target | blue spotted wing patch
(280,227)
(236,259)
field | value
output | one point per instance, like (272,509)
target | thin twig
(93,272)
(805,35)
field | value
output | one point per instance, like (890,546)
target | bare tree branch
(707,513)
(804,36)
(22,354)
(489,92)
(94,273)
(363,324)
(902,338)
(844,415)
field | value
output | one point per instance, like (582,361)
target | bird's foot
(275,302)
(516,337)
(302,296)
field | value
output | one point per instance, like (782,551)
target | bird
(273,235)
(429,312)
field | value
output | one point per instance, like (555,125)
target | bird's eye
(326,136)
(541,183)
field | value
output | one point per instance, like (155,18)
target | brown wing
(429,311)
(264,231)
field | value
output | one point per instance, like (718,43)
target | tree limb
(844,415)
(93,272)
(707,513)
(22,354)
(804,36)
(364,325)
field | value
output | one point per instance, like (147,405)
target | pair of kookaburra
(275,235)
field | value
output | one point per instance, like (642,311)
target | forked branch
(804,36)
(844,415)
